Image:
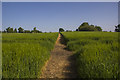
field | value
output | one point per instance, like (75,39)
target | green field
(24,55)
(96,53)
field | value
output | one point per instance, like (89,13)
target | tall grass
(24,55)
(96,53)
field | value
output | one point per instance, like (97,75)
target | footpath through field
(61,63)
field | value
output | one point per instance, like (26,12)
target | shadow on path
(62,39)
(72,61)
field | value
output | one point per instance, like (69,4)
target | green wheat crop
(24,55)
(96,53)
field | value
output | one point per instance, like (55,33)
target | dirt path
(61,63)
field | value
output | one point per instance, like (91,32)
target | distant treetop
(21,30)
(86,27)
(117,28)
(61,30)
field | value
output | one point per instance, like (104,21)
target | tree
(86,27)
(20,29)
(98,28)
(9,30)
(117,28)
(26,31)
(68,30)
(37,31)
(34,28)
(15,30)
(84,24)
(77,29)
(61,30)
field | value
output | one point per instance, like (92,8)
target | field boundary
(43,68)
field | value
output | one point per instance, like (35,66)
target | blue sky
(50,16)
(60,0)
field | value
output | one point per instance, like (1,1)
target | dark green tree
(84,24)
(9,30)
(61,30)
(34,28)
(68,30)
(86,27)
(98,28)
(15,30)
(77,29)
(26,31)
(20,29)
(117,28)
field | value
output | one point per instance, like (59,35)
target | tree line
(86,27)
(83,27)
(21,30)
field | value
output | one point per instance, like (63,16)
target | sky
(50,16)
(0,16)
(60,0)
(118,12)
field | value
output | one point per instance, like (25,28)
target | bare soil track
(61,63)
